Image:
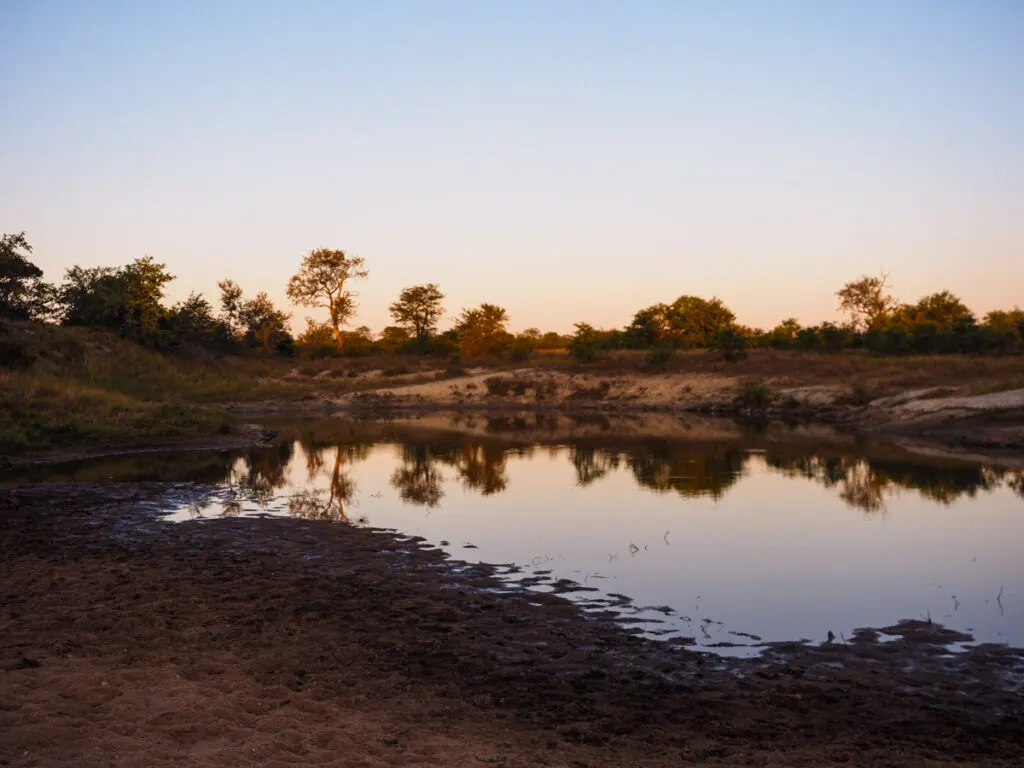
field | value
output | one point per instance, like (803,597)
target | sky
(570,160)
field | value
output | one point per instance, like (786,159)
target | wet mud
(126,640)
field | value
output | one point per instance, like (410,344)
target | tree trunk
(335,329)
(337,334)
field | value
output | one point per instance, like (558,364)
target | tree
(689,321)
(866,301)
(392,338)
(731,344)
(256,321)
(266,327)
(482,330)
(784,334)
(318,338)
(695,322)
(144,282)
(320,282)
(587,343)
(943,310)
(418,310)
(230,302)
(23,295)
(650,327)
(192,322)
(1006,320)
(127,300)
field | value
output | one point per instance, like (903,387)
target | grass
(44,411)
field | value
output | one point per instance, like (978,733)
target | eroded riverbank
(285,641)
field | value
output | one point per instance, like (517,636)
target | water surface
(739,538)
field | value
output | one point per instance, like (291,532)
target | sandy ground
(125,641)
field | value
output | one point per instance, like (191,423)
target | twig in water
(999,599)
(665,537)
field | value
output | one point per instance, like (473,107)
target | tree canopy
(419,310)
(22,293)
(866,300)
(689,321)
(320,282)
(482,330)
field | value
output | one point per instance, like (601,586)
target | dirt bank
(282,642)
(981,413)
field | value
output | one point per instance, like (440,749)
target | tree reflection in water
(318,504)
(691,470)
(688,471)
(592,464)
(864,483)
(418,480)
(481,467)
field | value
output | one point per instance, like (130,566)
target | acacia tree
(419,309)
(320,282)
(866,300)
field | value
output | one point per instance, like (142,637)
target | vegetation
(58,386)
(418,310)
(482,331)
(320,282)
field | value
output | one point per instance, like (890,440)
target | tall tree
(320,282)
(419,309)
(482,330)
(866,300)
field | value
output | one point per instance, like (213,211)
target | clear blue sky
(567,160)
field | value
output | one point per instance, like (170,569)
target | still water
(731,541)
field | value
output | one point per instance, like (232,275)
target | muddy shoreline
(263,641)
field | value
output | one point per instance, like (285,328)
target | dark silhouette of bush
(731,344)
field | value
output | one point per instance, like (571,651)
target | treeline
(130,301)
(939,323)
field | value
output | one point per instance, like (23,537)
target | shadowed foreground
(126,641)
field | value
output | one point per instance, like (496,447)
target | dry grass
(38,411)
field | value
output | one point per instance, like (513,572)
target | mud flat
(125,640)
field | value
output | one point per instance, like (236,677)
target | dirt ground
(125,641)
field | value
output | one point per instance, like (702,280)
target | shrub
(659,355)
(808,339)
(499,386)
(858,395)
(731,344)
(834,337)
(753,394)
(591,393)
(520,349)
